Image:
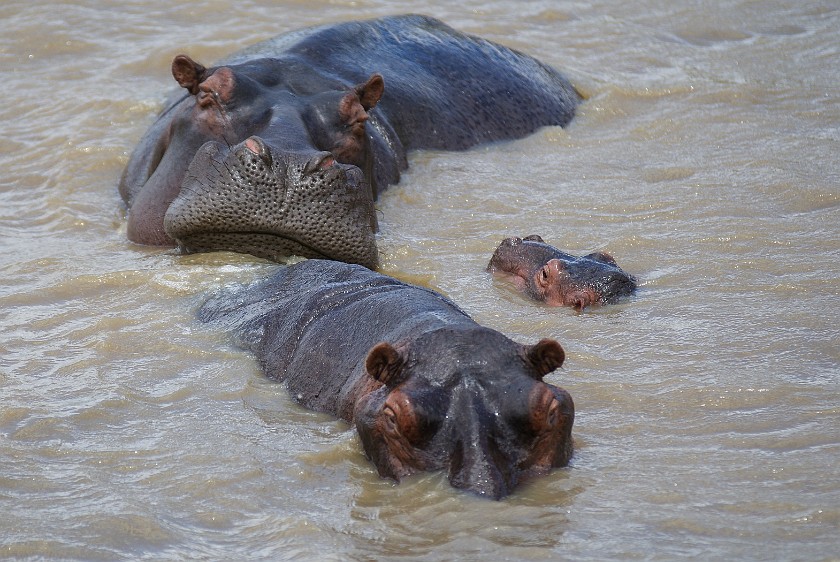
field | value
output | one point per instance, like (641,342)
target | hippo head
(258,162)
(559,279)
(468,401)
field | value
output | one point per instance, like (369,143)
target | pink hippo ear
(386,364)
(545,356)
(188,73)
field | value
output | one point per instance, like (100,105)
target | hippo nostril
(258,148)
(321,161)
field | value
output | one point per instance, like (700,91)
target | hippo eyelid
(545,410)
(391,424)
(207,97)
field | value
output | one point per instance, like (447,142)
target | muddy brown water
(707,161)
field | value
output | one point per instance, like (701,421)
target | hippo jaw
(273,204)
(490,422)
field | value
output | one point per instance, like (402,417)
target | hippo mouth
(264,245)
(273,204)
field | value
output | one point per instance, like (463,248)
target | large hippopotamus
(426,387)
(556,278)
(283,148)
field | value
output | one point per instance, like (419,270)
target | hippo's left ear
(545,356)
(386,364)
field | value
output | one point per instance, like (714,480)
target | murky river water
(707,161)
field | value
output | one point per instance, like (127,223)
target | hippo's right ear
(371,91)
(386,364)
(545,356)
(188,73)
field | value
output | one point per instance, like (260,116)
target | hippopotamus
(556,278)
(426,387)
(282,149)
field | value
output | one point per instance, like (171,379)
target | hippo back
(321,316)
(444,89)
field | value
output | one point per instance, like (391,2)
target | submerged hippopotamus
(426,387)
(283,148)
(556,278)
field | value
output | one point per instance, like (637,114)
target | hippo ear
(534,238)
(371,91)
(602,257)
(386,364)
(355,104)
(545,356)
(188,73)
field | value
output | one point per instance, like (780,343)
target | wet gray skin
(556,278)
(364,92)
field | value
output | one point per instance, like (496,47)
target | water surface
(705,161)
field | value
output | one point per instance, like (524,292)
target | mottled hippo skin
(556,278)
(426,387)
(284,147)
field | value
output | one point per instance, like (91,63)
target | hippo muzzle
(493,453)
(270,203)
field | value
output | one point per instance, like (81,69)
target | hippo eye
(208,97)
(543,281)
(389,417)
(399,418)
(552,417)
(545,411)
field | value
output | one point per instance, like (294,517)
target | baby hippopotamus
(556,278)
(426,386)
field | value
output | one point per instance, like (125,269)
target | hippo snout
(255,199)
(477,462)
(527,433)
(479,473)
